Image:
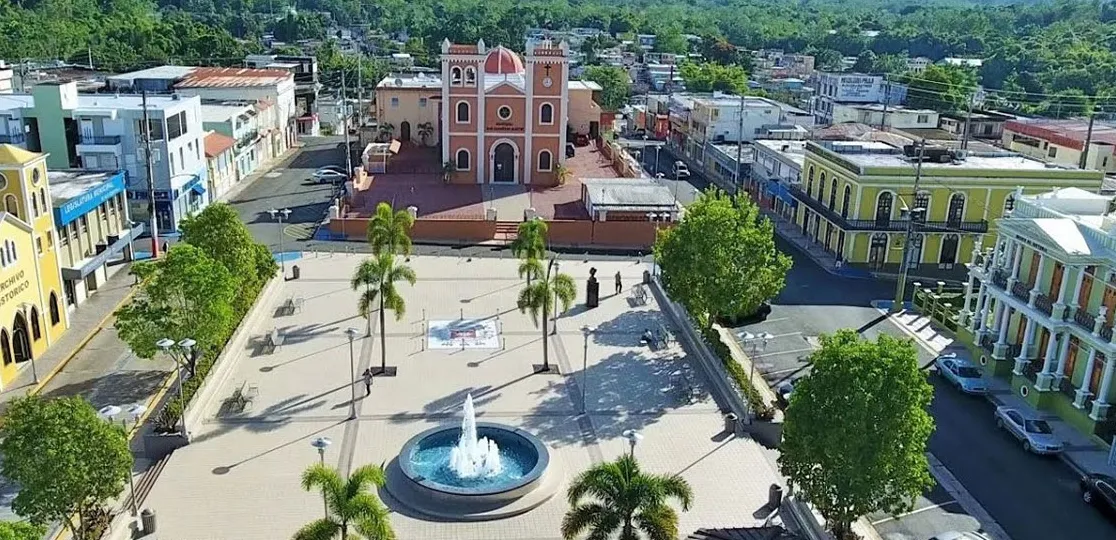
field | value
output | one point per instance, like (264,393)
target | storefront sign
(84,203)
(13,286)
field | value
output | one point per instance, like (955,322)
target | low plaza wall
(570,233)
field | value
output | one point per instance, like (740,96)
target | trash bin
(730,422)
(147,517)
(775,496)
(646,277)
(294,272)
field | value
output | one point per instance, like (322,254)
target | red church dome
(502,61)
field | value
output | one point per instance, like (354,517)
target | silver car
(961,373)
(1037,435)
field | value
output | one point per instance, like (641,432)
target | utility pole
(901,286)
(348,117)
(89,50)
(149,165)
(1088,140)
(360,92)
(968,121)
(740,145)
(886,98)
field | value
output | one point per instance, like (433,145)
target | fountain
(473,456)
(478,471)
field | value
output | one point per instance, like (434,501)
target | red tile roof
(1068,133)
(207,77)
(216,143)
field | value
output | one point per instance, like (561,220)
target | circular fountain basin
(420,478)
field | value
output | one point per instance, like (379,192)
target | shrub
(761,409)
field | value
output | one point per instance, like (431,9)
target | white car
(681,170)
(1037,435)
(954,535)
(328,176)
(961,373)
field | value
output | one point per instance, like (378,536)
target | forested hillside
(1061,49)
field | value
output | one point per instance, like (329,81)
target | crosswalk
(300,231)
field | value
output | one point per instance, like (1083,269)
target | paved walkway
(1082,453)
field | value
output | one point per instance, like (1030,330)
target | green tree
(720,260)
(865,62)
(539,298)
(21,530)
(856,429)
(69,463)
(183,295)
(354,512)
(379,275)
(219,233)
(530,247)
(671,41)
(709,77)
(943,88)
(389,230)
(624,501)
(616,86)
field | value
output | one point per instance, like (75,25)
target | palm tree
(540,296)
(379,275)
(530,245)
(389,230)
(448,168)
(425,130)
(387,130)
(625,499)
(563,173)
(352,511)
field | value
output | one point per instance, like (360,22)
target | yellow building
(855,195)
(31,313)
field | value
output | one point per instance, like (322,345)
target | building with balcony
(857,197)
(239,121)
(272,90)
(1040,303)
(982,124)
(1063,141)
(307,86)
(94,230)
(776,168)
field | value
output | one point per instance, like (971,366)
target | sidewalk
(1082,453)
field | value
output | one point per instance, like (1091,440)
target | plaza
(239,478)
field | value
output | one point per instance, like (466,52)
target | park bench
(241,397)
(292,305)
(275,339)
(666,337)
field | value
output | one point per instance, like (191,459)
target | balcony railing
(104,140)
(14,138)
(1086,320)
(1021,291)
(846,224)
(988,341)
(1106,332)
(999,279)
(1031,369)
(1066,387)
(1044,304)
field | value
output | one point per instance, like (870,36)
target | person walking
(619,284)
(368,382)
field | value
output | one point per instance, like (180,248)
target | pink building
(504,117)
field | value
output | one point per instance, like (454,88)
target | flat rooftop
(68,184)
(628,195)
(881,154)
(411,80)
(233,78)
(791,150)
(222,112)
(157,72)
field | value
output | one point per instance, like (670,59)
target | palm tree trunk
(368,319)
(383,339)
(546,359)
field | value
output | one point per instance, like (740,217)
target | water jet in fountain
(474,456)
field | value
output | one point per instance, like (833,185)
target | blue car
(961,373)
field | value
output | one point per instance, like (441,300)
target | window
(462,112)
(845,202)
(922,119)
(883,208)
(42,199)
(504,112)
(36,328)
(422,102)
(1053,152)
(546,113)
(821,187)
(1009,203)
(84,221)
(39,245)
(922,203)
(34,206)
(462,160)
(544,160)
(470,75)
(833,194)
(55,316)
(11,206)
(73,230)
(455,75)
(956,209)
(810,182)
(949,249)
(176,126)
(181,158)
(394,103)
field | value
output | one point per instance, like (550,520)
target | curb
(80,345)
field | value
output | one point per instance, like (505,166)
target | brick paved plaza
(240,477)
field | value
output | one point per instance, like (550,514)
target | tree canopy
(219,233)
(67,460)
(720,260)
(709,77)
(615,85)
(856,429)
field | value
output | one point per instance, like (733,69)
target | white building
(6,77)
(894,116)
(853,88)
(918,64)
(777,164)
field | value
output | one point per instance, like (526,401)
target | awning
(87,266)
(198,188)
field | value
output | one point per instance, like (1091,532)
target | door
(1040,352)
(594,129)
(21,340)
(1035,259)
(405,131)
(1086,287)
(1056,280)
(877,254)
(503,163)
(949,249)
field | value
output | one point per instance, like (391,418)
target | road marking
(954,488)
(913,512)
(782,371)
(777,320)
(786,335)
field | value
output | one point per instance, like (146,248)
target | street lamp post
(756,341)
(633,437)
(168,346)
(107,413)
(352,334)
(280,215)
(26,307)
(586,331)
(321,443)
(654,219)
(553,263)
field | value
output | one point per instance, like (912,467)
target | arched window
(546,113)
(5,347)
(36,330)
(833,194)
(845,202)
(921,202)
(544,160)
(55,316)
(956,212)
(1009,203)
(470,75)
(821,187)
(455,75)
(949,249)
(462,160)
(462,112)
(34,206)
(42,199)
(10,205)
(883,208)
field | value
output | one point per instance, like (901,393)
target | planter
(156,446)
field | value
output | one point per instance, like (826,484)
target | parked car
(783,392)
(335,168)
(954,535)
(961,373)
(1099,490)
(681,170)
(1036,434)
(328,176)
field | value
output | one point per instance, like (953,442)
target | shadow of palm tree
(270,418)
(625,329)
